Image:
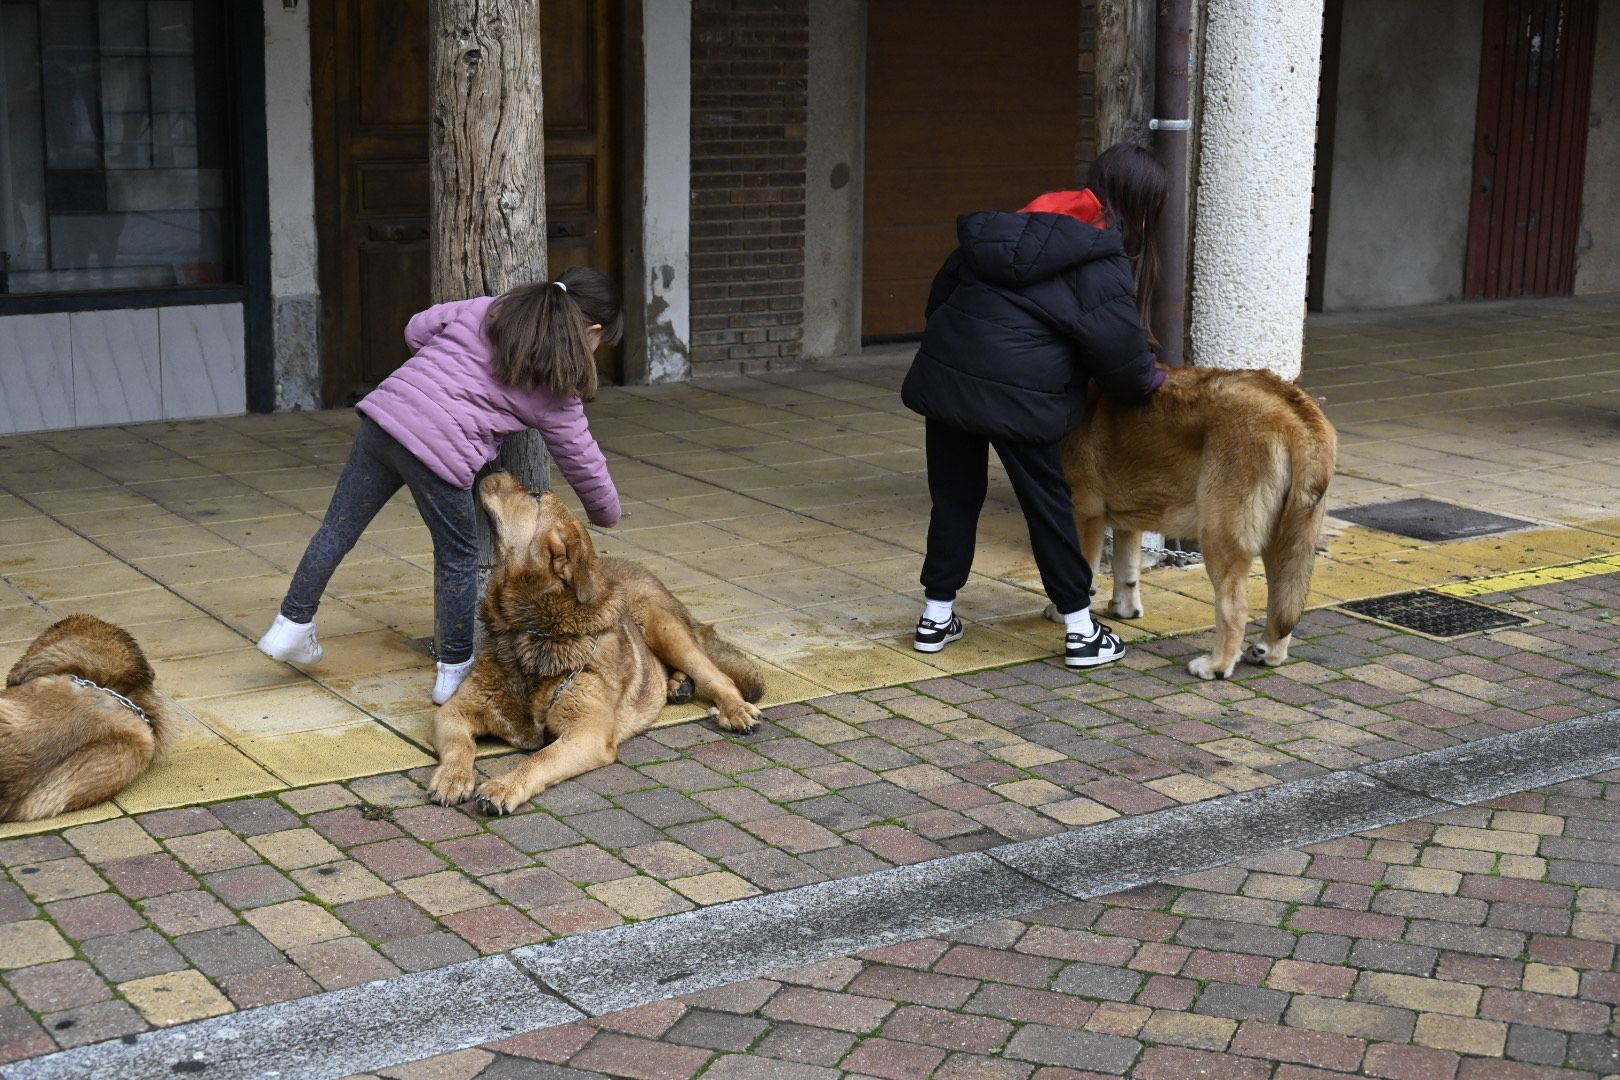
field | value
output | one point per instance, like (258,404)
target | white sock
(938,612)
(1079,622)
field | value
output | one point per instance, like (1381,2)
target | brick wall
(750,62)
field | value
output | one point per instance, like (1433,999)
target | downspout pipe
(1172,132)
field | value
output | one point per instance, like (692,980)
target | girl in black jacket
(1027,310)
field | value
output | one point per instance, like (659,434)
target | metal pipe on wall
(1172,131)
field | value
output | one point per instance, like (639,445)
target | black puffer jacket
(1027,310)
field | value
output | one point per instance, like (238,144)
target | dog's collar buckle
(79,680)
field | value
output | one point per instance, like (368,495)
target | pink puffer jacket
(445,406)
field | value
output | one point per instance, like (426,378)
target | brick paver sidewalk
(112,928)
(1476,945)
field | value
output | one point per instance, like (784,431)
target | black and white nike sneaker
(1102,647)
(933,636)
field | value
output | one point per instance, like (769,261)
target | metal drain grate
(1433,614)
(1429,519)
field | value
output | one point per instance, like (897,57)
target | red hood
(1077,204)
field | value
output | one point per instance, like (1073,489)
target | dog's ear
(573,560)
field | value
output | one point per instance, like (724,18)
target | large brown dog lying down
(1239,459)
(78,720)
(581,653)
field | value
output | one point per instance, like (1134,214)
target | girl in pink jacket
(483,369)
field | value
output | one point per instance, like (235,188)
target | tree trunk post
(1124,71)
(488,194)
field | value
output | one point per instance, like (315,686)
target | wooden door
(371,60)
(969,106)
(1535,89)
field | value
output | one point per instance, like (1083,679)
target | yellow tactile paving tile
(280,710)
(188,777)
(1524,579)
(334,753)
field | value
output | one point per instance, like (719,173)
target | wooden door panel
(373,190)
(967,109)
(1529,147)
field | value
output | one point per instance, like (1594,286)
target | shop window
(115,145)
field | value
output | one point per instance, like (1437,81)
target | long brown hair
(1132,185)
(538,332)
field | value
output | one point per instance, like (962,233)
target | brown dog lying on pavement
(1239,459)
(581,652)
(79,720)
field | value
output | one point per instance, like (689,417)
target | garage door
(970,106)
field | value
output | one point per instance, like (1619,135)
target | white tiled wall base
(90,368)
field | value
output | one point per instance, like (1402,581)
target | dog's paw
(1204,667)
(1260,653)
(681,688)
(1050,613)
(1125,610)
(740,718)
(496,798)
(451,788)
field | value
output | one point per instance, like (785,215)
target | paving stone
(252,817)
(59,879)
(23,944)
(53,987)
(266,986)
(175,998)
(1105,1053)
(230,950)
(91,916)
(342,962)
(93,1023)
(385,918)
(252,886)
(216,849)
(294,849)
(103,840)
(434,950)
(180,913)
(134,955)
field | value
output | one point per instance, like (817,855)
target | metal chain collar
(564,685)
(79,680)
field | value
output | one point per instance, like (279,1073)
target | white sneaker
(450,678)
(291,641)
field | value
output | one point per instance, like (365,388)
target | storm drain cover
(1429,519)
(1434,614)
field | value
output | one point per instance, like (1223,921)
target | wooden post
(1124,71)
(486,152)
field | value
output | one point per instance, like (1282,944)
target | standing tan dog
(79,720)
(1239,459)
(581,653)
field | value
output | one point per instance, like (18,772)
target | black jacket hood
(1019,249)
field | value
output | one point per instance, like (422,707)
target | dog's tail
(1290,554)
(737,665)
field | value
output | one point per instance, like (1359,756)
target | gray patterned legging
(378,466)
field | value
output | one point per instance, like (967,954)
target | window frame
(250,191)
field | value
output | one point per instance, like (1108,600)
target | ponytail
(537,332)
(1132,187)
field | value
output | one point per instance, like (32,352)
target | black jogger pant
(958,477)
(378,466)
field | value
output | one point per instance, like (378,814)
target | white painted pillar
(667,194)
(1257,145)
(289,129)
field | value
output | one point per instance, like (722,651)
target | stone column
(666,205)
(1256,157)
